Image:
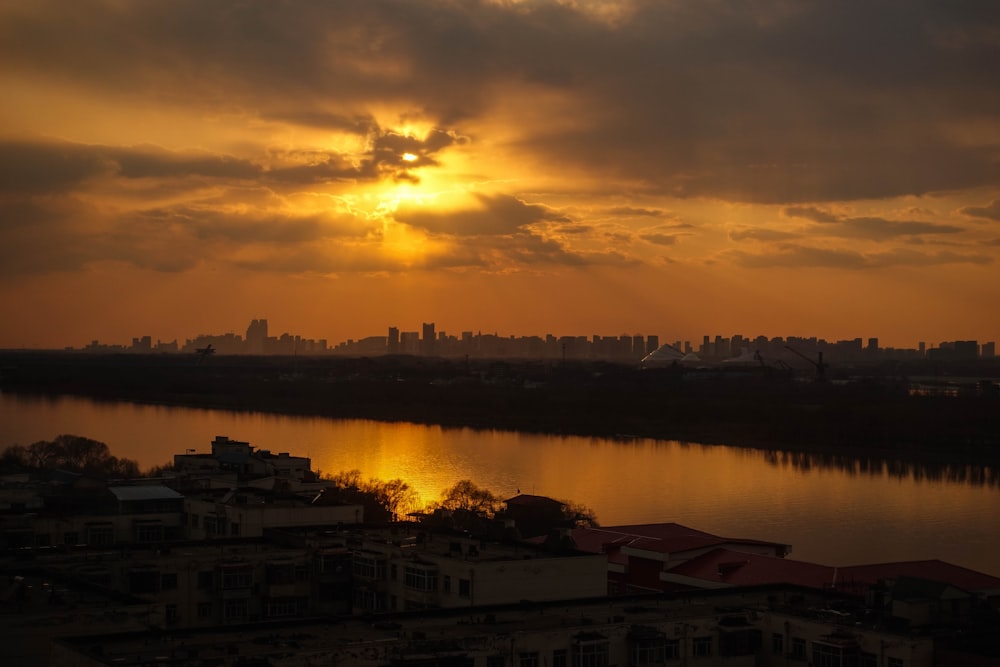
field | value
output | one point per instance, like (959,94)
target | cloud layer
(388,136)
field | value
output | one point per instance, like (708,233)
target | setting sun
(804,204)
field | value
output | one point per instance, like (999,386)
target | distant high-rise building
(989,350)
(652,342)
(409,342)
(142,345)
(427,342)
(392,341)
(256,336)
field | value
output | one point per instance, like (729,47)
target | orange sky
(172,167)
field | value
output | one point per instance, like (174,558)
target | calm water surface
(837,514)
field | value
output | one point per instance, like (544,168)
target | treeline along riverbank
(877,414)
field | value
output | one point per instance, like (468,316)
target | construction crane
(820,365)
(203,352)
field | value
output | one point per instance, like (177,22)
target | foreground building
(751,628)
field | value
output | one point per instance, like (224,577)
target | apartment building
(411,569)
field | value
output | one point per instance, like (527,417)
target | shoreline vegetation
(386,500)
(875,415)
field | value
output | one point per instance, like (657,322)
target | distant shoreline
(753,410)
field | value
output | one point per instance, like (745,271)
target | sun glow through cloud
(353,143)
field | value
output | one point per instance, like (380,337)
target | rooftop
(735,568)
(144,492)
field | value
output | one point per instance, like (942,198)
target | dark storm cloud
(42,235)
(496,215)
(56,234)
(29,167)
(870,228)
(989,212)
(811,213)
(771,101)
(36,167)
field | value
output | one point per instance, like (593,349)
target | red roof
(744,569)
(932,570)
(736,568)
(664,538)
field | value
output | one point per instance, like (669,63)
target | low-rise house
(249,512)
(188,585)
(99,516)
(240,458)
(638,556)
(726,568)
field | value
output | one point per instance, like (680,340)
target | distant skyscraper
(392,344)
(256,336)
(427,342)
(652,342)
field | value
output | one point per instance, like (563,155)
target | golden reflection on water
(834,510)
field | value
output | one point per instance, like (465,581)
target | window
(236,577)
(234,529)
(71,538)
(145,532)
(495,661)
(392,572)
(591,654)
(798,648)
(894,662)
(171,614)
(42,540)
(204,610)
(868,660)
(102,535)
(369,567)
(446,583)
(824,655)
(235,611)
(559,657)
(464,588)
(369,600)
(168,581)
(655,651)
(528,659)
(777,643)
(282,607)
(701,647)
(420,578)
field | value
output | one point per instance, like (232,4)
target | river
(832,511)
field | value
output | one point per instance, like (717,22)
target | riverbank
(750,408)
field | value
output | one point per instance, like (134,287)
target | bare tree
(465,495)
